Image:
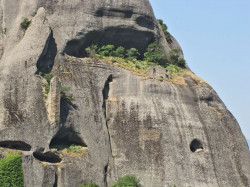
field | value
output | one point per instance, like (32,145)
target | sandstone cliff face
(164,133)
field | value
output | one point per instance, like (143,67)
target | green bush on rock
(126,181)
(165,31)
(25,24)
(175,59)
(106,50)
(128,58)
(155,54)
(11,172)
(132,53)
(119,52)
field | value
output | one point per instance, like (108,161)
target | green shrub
(33,14)
(132,53)
(48,78)
(4,30)
(175,59)
(11,172)
(165,31)
(119,52)
(181,62)
(86,184)
(126,181)
(160,79)
(174,69)
(25,24)
(75,149)
(106,50)
(155,54)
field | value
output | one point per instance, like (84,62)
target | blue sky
(215,38)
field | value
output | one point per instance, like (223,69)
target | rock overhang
(120,26)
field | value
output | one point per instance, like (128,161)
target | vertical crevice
(56,179)
(105,174)
(105,93)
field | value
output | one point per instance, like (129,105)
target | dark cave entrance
(196,146)
(47,157)
(65,138)
(47,58)
(18,145)
(117,36)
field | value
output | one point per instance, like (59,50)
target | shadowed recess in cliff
(65,107)
(196,146)
(47,157)
(118,36)
(114,12)
(105,92)
(66,137)
(56,179)
(18,145)
(46,60)
(145,21)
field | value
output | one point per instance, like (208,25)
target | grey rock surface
(159,73)
(163,133)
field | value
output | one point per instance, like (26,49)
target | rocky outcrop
(54,100)
(164,133)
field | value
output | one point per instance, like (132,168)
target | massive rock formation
(165,133)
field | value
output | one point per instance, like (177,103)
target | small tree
(132,53)
(181,63)
(119,52)
(175,59)
(155,54)
(106,50)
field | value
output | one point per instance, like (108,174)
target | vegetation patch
(164,28)
(11,172)
(128,180)
(25,23)
(131,60)
(5,31)
(46,83)
(72,150)
(33,14)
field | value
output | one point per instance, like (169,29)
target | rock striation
(165,133)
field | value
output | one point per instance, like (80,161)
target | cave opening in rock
(196,146)
(105,92)
(47,58)
(18,145)
(47,157)
(117,36)
(65,138)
